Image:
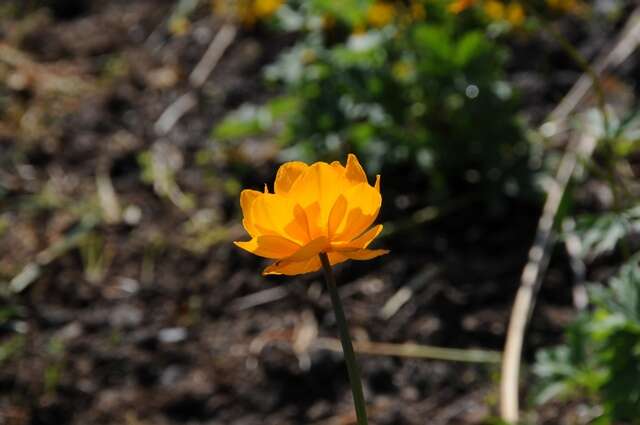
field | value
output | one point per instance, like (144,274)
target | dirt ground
(153,316)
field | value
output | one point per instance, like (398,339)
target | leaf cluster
(601,233)
(601,358)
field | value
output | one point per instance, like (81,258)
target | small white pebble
(132,215)
(172,335)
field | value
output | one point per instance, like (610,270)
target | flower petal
(320,183)
(336,258)
(363,205)
(290,268)
(338,167)
(247,197)
(337,215)
(315,227)
(354,172)
(269,246)
(275,215)
(287,174)
(312,249)
(365,254)
(360,242)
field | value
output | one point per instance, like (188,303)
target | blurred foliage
(512,12)
(516,12)
(53,373)
(401,84)
(11,347)
(601,233)
(247,12)
(251,120)
(158,168)
(601,358)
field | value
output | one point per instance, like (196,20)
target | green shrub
(601,358)
(424,97)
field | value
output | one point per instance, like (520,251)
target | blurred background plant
(406,87)
(414,86)
(599,361)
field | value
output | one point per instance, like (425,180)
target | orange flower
(515,14)
(417,11)
(318,208)
(246,11)
(380,14)
(266,8)
(571,6)
(459,6)
(494,9)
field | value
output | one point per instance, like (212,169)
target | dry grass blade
(414,351)
(265,296)
(183,104)
(107,196)
(33,269)
(212,56)
(404,294)
(174,112)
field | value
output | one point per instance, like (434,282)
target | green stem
(345,339)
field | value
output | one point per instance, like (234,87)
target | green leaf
(602,354)
(553,391)
(250,120)
(244,122)
(469,47)
(601,233)
(435,41)
(11,347)
(351,12)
